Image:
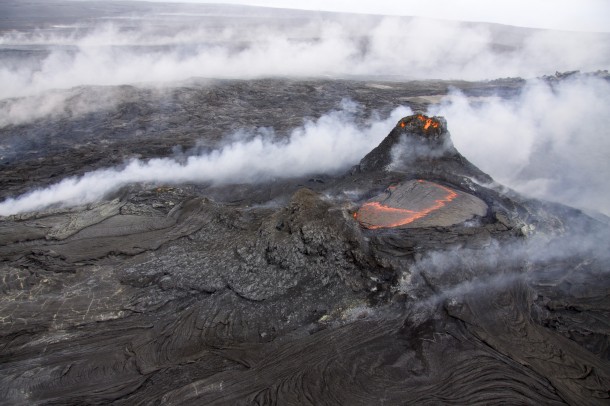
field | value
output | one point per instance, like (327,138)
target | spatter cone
(419,153)
(421,147)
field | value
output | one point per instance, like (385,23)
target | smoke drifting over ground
(408,150)
(549,142)
(536,260)
(55,104)
(328,145)
(163,47)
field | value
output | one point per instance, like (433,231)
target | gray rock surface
(275,294)
(418,203)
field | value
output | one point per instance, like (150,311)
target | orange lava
(428,122)
(401,217)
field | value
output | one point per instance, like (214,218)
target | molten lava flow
(428,122)
(396,217)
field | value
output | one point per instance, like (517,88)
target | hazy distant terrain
(206,204)
(157,46)
(119,43)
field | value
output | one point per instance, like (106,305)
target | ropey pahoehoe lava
(419,286)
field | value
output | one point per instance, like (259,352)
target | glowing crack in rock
(428,122)
(413,203)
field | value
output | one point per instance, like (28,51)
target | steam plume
(329,144)
(463,272)
(145,51)
(550,142)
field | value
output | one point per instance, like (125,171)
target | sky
(572,15)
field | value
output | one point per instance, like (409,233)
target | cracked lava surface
(412,202)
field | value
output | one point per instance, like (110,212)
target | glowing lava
(428,122)
(378,215)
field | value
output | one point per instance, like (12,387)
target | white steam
(541,259)
(56,103)
(148,51)
(409,149)
(550,142)
(329,144)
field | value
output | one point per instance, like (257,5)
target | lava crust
(419,204)
(419,286)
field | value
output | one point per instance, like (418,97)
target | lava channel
(378,215)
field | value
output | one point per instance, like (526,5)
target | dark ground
(274,293)
(200,295)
